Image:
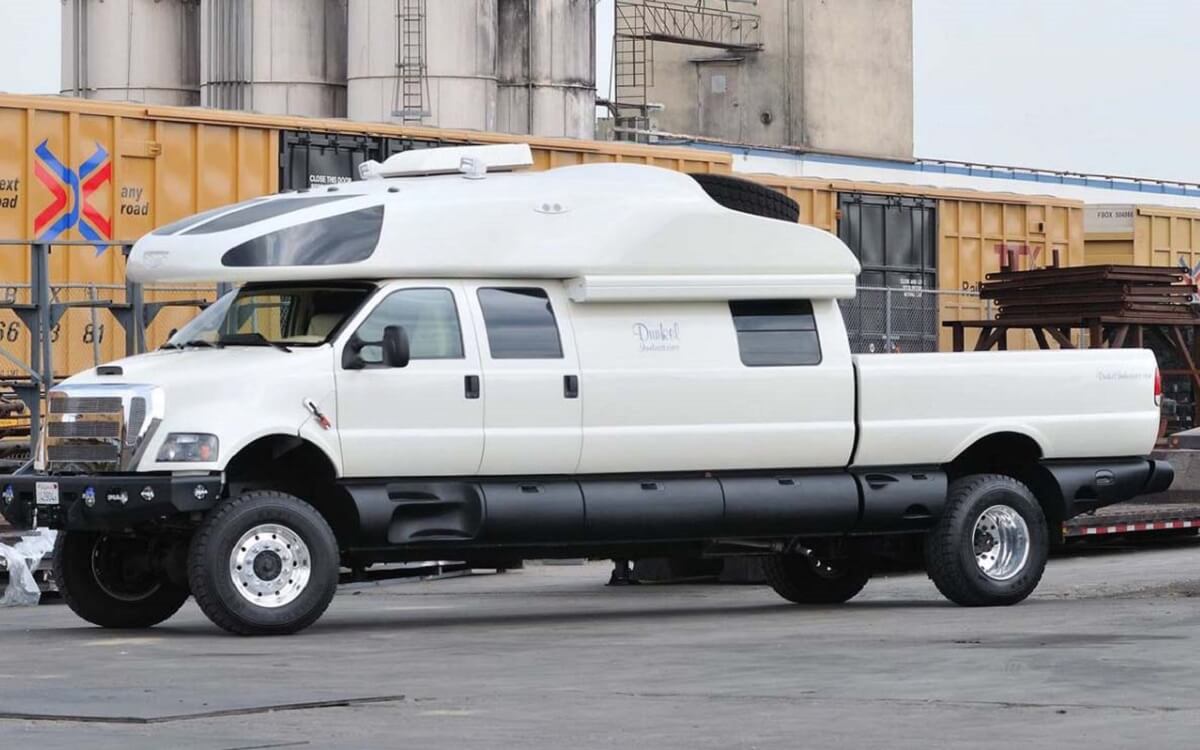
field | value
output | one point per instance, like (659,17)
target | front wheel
(991,544)
(113,580)
(263,563)
(804,579)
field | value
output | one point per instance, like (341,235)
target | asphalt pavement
(1106,654)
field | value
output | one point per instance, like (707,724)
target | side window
(776,332)
(520,323)
(430,318)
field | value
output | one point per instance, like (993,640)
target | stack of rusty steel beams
(1142,293)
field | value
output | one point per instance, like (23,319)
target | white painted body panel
(238,394)
(686,402)
(688,405)
(928,408)
(593,219)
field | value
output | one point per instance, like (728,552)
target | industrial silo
(274,56)
(547,67)
(132,50)
(423,62)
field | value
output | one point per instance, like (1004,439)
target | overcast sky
(1091,85)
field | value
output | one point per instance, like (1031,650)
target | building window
(520,323)
(776,332)
(428,316)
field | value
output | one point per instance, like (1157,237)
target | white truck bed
(927,408)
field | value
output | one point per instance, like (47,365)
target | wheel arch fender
(298,466)
(1015,451)
(1018,440)
(280,433)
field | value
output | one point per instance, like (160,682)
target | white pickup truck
(457,359)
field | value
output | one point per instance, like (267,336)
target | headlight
(188,446)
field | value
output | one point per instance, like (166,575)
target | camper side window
(429,317)
(776,332)
(520,323)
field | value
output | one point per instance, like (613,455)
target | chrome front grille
(88,429)
(137,418)
(85,433)
(101,427)
(86,404)
(83,452)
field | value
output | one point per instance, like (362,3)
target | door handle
(471,386)
(570,386)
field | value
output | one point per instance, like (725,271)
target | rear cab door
(532,393)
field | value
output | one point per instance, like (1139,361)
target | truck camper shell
(615,232)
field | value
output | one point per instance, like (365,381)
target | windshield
(287,316)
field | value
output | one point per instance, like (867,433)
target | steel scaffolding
(638,24)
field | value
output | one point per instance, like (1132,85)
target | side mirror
(395,346)
(351,360)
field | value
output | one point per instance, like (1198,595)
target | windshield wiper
(186,344)
(249,339)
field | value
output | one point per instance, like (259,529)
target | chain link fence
(883,320)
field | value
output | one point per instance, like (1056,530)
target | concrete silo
(132,50)
(413,61)
(547,67)
(521,66)
(274,56)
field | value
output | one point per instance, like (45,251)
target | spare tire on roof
(748,196)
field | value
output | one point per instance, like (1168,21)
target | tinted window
(195,219)
(520,324)
(345,238)
(260,211)
(776,332)
(430,318)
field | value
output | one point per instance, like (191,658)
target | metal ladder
(408,102)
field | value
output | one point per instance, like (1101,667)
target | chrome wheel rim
(1001,542)
(270,566)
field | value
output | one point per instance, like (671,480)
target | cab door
(423,419)
(532,421)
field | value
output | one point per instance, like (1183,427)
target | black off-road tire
(802,580)
(950,554)
(749,197)
(131,596)
(211,577)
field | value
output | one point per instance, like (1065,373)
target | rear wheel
(113,581)
(991,544)
(804,579)
(263,563)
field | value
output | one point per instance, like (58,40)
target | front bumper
(116,501)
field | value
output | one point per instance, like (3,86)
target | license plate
(47,493)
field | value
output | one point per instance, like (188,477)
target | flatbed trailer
(1134,518)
